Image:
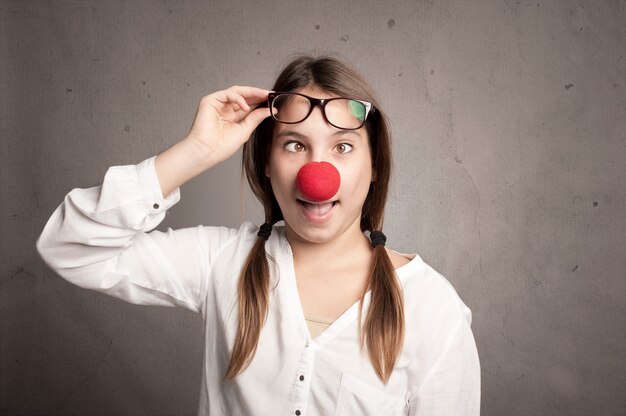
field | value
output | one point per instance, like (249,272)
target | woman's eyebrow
(344,132)
(300,136)
(291,133)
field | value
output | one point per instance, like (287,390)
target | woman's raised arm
(99,239)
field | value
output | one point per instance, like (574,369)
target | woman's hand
(225,120)
(223,123)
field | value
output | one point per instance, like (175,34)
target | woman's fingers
(242,96)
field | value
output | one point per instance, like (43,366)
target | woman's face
(314,140)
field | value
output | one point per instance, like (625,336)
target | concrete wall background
(510,139)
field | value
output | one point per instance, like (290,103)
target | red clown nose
(318,181)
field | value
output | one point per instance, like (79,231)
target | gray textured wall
(510,140)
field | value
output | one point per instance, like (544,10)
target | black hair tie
(265,230)
(378,238)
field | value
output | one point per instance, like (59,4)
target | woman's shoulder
(398,260)
(425,289)
(219,237)
(246,229)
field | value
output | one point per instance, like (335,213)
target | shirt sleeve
(99,239)
(451,386)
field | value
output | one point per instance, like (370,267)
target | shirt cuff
(151,188)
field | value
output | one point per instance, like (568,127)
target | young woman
(309,314)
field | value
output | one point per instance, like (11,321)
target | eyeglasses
(343,113)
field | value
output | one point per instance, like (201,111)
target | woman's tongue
(317,209)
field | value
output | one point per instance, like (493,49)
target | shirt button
(301,378)
(298,413)
(155,206)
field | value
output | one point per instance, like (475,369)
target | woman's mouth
(317,212)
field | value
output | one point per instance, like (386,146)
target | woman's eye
(344,148)
(294,147)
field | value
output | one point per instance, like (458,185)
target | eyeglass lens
(343,113)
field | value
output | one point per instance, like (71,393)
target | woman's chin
(315,233)
(311,234)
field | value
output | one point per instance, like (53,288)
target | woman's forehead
(315,92)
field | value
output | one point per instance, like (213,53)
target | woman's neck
(345,249)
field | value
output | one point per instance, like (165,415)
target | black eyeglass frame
(322,102)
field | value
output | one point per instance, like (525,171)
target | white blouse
(99,238)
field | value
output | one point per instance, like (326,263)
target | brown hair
(382,332)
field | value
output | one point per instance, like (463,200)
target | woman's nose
(318,181)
